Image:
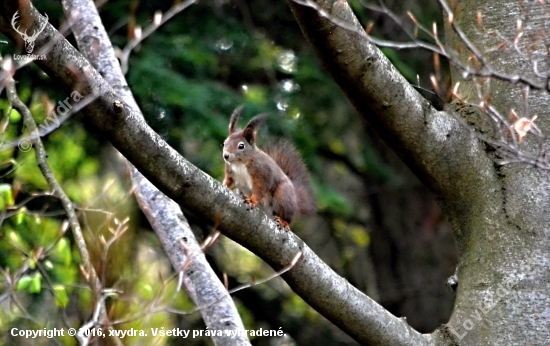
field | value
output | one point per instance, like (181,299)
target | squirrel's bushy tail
(290,161)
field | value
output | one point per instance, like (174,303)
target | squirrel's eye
(241,145)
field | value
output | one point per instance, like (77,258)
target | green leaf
(20,216)
(35,285)
(48,264)
(337,146)
(147,291)
(360,236)
(330,200)
(32,262)
(17,240)
(6,196)
(24,282)
(256,94)
(61,297)
(61,252)
(15,116)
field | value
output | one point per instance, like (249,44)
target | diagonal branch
(435,145)
(313,280)
(199,279)
(203,286)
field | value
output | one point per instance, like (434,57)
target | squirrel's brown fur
(276,180)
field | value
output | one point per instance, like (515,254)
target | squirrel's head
(241,144)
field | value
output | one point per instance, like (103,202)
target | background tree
(224,54)
(497,220)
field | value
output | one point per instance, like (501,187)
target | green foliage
(6,196)
(295,305)
(187,78)
(33,284)
(333,202)
(61,252)
(24,282)
(396,59)
(61,296)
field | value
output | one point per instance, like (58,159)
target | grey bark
(498,213)
(310,278)
(504,271)
(199,280)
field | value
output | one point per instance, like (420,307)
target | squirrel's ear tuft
(235,118)
(249,132)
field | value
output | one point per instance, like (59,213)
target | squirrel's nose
(225,156)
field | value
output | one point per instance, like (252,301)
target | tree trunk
(502,297)
(498,212)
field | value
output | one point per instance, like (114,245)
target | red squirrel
(276,180)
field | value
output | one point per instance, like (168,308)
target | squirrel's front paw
(282,224)
(249,202)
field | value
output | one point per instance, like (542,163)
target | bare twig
(479,69)
(196,276)
(84,336)
(41,157)
(164,214)
(158,20)
(23,143)
(120,228)
(153,310)
(346,306)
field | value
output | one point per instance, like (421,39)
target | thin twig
(41,158)
(157,22)
(479,73)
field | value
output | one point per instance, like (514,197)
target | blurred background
(376,224)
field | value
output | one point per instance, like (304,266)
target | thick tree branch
(312,279)
(200,281)
(443,153)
